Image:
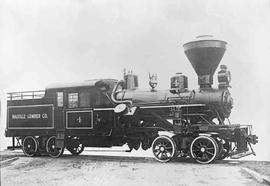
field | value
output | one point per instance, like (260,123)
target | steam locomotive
(105,112)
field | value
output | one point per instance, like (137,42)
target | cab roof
(86,83)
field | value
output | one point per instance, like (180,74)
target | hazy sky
(43,42)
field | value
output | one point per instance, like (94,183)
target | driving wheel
(204,149)
(163,148)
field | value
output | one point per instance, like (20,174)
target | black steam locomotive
(105,112)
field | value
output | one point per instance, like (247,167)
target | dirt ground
(104,169)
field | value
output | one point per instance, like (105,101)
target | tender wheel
(204,149)
(30,146)
(163,148)
(51,148)
(74,146)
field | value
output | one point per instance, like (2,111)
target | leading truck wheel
(30,146)
(163,148)
(51,148)
(204,149)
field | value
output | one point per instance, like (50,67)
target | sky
(43,42)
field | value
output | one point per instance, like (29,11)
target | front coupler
(243,139)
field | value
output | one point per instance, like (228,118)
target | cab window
(73,100)
(60,99)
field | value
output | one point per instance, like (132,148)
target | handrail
(113,95)
(38,94)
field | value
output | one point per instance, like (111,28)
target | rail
(25,95)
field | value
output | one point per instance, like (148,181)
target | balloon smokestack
(205,54)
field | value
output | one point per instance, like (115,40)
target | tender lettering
(28,116)
(33,116)
(44,116)
(18,116)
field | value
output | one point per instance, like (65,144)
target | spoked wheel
(74,146)
(204,149)
(30,146)
(163,148)
(51,148)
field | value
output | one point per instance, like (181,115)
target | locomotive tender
(105,112)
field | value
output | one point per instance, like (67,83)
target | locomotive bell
(205,54)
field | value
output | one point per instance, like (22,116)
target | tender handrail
(38,94)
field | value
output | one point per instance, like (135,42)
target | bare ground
(118,170)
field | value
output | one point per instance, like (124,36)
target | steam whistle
(153,81)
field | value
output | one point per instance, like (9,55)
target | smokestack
(205,54)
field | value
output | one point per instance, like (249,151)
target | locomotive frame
(107,112)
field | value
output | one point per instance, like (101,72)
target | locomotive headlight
(224,77)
